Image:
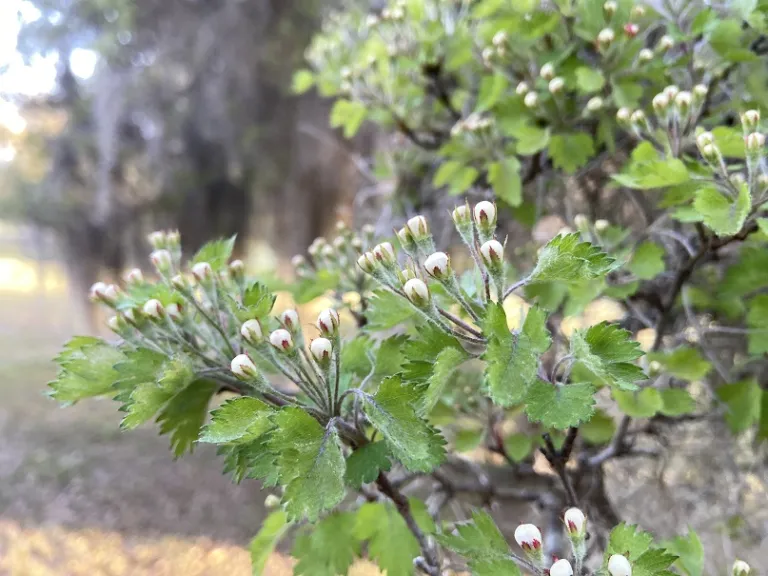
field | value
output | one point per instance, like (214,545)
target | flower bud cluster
(474,123)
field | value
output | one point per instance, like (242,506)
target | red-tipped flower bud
(485,215)
(154,309)
(97,291)
(438,265)
(243,367)
(134,276)
(290,319)
(575,522)
(321,350)
(174,311)
(385,254)
(202,272)
(492,253)
(528,537)
(328,322)
(631,29)
(282,340)
(161,260)
(750,120)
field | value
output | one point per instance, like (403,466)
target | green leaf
(251,460)
(390,543)
(348,115)
(643,404)
(462,180)
(628,541)
(217,253)
(513,359)
(589,80)
(685,363)
(607,352)
(422,352)
(446,172)
(757,320)
(690,552)
(365,463)
(743,8)
(481,542)
(655,173)
(392,411)
(558,406)
(258,302)
(747,274)
(743,400)
(303,80)
(762,429)
(492,87)
(647,261)
(567,259)
(530,139)
(329,548)
(518,446)
(86,369)
(599,429)
(653,563)
(730,141)
(184,414)
(722,214)
(504,177)
(446,363)
(311,464)
(467,440)
(571,151)
(387,310)
(238,420)
(676,402)
(355,356)
(389,358)
(263,544)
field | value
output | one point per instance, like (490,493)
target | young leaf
(303,80)
(599,430)
(237,421)
(349,115)
(722,214)
(216,253)
(676,402)
(642,404)
(250,460)
(387,310)
(481,542)
(389,358)
(647,261)
(653,562)
(446,363)
(743,400)
(628,541)
(571,151)
(504,176)
(263,544)
(513,359)
(390,542)
(329,548)
(518,446)
(311,464)
(492,87)
(690,552)
(393,411)
(422,352)
(567,259)
(757,320)
(557,406)
(257,302)
(606,351)
(365,463)
(184,414)
(589,79)
(685,363)
(86,369)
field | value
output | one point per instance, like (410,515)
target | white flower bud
(157,240)
(316,246)
(575,522)
(161,260)
(492,253)
(710,152)
(385,253)
(438,265)
(580,221)
(339,243)
(174,311)
(173,237)
(273,501)
(700,91)
(740,568)
(154,309)
(487,54)
(671,92)
(321,350)
(298,261)
(654,367)
(556,85)
(356,243)
(243,367)
(406,274)
(236,268)
(202,271)
(606,37)
(367,262)
(609,9)
(755,142)
(111,293)
(594,104)
(485,215)
(639,120)
(547,71)
(328,322)
(134,276)
(623,115)
(368,231)
(645,55)
(418,227)
(684,100)
(179,282)
(750,120)
(251,331)
(660,103)
(417,292)
(531,100)
(406,239)
(97,291)
(665,43)
(461,216)
(602,225)
(522,89)
(328,251)
(115,324)
(637,12)
(704,139)
(528,537)
(290,319)
(282,340)
(561,568)
(500,39)
(618,565)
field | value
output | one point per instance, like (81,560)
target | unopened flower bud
(339,243)
(594,104)
(528,537)
(556,85)
(321,350)
(623,116)
(417,292)
(487,54)
(298,261)
(575,522)
(522,89)
(605,38)
(356,243)
(237,269)
(243,367)
(485,215)
(179,282)
(683,103)
(500,39)
(407,242)
(134,276)
(740,568)
(531,100)
(290,319)
(704,139)
(580,221)
(660,104)
(97,291)
(750,120)
(762,182)
(251,331)
(154,309)
(618,565)
(645,55)
(406,274)
(418,228)
(654,367)
(665,43)
(368,231)
(438,265)
(637,12)
(639,121)
(461,216)
(700,92)
(602,225)
(561,568)
(609,9)
(710,152)
(328,251)
(671,92)
(115,324)
(385,254)
(492,253)
(173,238)
(328,322)
(755,142)
(273,501)
(202,272)
(157,240)
(367,262)
(161,260)
(631,29)
(737,180)
(316,246)
(282,340)
(547,71)
(174,311)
